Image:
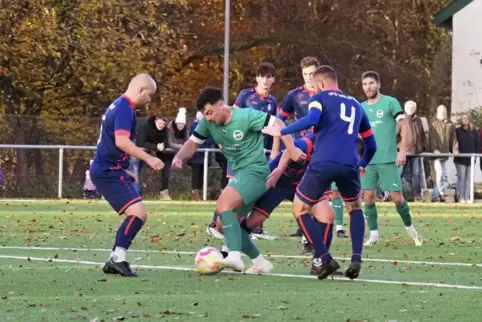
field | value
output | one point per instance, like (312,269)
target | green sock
(371,213)
(338,207)
(247,245)
(232,230)
(404,212)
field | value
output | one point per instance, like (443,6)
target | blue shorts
(272,199)
(319,176)
(117,188)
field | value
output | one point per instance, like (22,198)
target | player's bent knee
(352,205)
(334,194)
(397,197)
(369,196)
(230,199)
(323,212)
(255,219)
(137,210)
(299,207)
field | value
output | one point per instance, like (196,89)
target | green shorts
(385,174)
(251,185)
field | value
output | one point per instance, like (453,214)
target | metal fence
(58,171)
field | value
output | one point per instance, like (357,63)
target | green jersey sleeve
(201,132)
(257,120)
(396,109)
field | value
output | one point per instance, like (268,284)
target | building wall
(467,64)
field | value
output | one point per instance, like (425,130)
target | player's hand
(273,178)
(176,164)
(272,130)
(401,158)
(160,146)
(362,172)
(297,155)
(155,163)
(132,176)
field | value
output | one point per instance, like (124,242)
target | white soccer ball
(206,260)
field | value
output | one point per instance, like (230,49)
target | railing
(62,148)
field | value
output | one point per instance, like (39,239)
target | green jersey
(383,117)
(241,139)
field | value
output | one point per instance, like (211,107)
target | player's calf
(404,211)
(136,216)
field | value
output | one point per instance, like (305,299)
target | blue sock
(215,218)
(357,232)
(313,233)
(327,231)
(128,231)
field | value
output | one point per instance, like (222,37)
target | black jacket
(469,142)
(148,136)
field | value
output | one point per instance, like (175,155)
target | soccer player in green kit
(238,133)
(384,112)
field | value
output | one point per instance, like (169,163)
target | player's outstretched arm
(124,143)
(311,119)
(295,153)
(186,152)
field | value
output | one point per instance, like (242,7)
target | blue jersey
(119,119)
(295,170)
(342,119)
(249,97)
(296,104)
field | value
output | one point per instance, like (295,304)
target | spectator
(90,191)
(151,133)
(417,144)
(442,140)
(2,178)
(197,161)
(177,134)
(468,142)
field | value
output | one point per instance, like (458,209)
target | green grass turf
(33,290)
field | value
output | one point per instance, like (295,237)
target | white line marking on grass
(375,260)
(189,269)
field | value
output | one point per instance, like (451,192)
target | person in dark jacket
(151,133)
(469,142)
(197,161)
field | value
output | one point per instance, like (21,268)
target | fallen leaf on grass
(28,259)
(282,307)
(98,219)
(245,316)
(118,318)
(454,238)
(4,298)
(395,263)
(405,256)
(79,317)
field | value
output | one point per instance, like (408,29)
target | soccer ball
(205,260)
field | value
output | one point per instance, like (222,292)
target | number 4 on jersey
(350,119)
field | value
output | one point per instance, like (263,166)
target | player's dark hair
(209,95)
(371,74)
(327,71)
(266,69)
(308,62)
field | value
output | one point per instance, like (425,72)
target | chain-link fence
(36,173)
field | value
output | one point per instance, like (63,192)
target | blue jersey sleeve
(240,101)
(288,107)
(124,116)
(314,114)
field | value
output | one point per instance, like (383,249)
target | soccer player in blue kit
(338,118)
(109,169)
(295,104)
(259,99)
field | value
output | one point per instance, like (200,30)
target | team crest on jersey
(379,114)
(238,135)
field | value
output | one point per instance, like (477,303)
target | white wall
(467,63)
